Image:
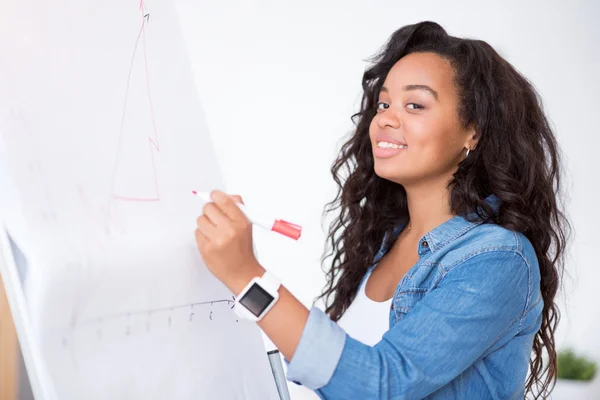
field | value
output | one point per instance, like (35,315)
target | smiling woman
(447,251)
(416,116)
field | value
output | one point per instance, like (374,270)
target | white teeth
(387,145)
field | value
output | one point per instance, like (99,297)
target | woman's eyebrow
(408,88)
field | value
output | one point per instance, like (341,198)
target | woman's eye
(415,106)
(382,106)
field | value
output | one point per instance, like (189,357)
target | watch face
(256,300)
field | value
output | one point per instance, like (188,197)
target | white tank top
(366,320)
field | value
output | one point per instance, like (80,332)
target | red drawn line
(152,141)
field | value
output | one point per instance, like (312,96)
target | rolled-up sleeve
(318,352)
(445,333)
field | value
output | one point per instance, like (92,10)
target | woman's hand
(224,239)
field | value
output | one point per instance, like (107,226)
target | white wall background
(280,80)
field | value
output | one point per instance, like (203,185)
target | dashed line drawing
(129,314)
(149,314)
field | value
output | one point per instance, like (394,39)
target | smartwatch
(258,297)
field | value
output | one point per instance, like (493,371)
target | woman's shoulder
(493,237)
(489,241)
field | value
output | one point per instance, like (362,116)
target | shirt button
(425,244)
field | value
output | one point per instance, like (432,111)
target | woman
(448,247)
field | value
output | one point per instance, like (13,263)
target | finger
(206,227)
(237,198)
(228,206)
(215,215)
(201,239)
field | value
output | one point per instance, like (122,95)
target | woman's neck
(428,207)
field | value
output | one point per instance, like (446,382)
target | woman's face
(416,134)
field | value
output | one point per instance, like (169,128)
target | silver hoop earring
(468,151)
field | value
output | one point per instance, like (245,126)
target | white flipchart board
(102,139)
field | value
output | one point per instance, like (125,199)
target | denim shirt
(461,324)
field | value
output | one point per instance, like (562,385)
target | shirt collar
(444,233)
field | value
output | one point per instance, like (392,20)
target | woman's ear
(472,138)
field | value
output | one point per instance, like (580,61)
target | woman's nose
(389,119)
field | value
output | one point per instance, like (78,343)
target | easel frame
(9,350)
(17,302)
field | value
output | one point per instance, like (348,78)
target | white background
(279,82)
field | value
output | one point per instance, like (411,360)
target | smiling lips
(387,146)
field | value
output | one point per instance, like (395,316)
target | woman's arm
(284,323)
(224,239)
(459,321)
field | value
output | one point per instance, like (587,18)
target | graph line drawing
(129,314)
(152,138)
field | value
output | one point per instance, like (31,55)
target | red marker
(276,225)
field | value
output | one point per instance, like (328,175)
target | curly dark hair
(517,159)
